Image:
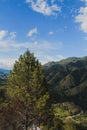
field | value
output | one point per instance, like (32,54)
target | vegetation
(27,94)
(67,80)
(53,100)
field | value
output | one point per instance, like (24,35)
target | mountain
(67,80)
(67,84)
(2,79)
(5,71)
(3,76)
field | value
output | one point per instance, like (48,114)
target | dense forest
(49,97)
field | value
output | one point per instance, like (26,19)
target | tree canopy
(27,87)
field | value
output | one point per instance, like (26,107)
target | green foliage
(61,113)
(69,126)
(67,80)
(2,94)
(28,97)
(27,84)
(65,109)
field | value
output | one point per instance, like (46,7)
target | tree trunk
(26,121)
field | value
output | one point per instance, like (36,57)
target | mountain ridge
(67,80)
(5,71)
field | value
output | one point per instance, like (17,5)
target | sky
(51,29)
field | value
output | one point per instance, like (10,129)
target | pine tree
(27,85)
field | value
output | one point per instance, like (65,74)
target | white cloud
(42,50)
(32,31)
(12,35)
(6,34)
(3,33)
(43,7)
(10,48)
(84,0)
(7,45)
(7,63)
(49,58)
(51,33)
(81,18)
(43,46)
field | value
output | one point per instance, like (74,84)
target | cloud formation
(51,33)
(42,50)
(7,63)
(6,34)
(44,7)
(84,0)
(81,18)
(49,58)
(32,32)
(12,35)
(3,33)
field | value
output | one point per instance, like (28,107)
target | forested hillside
(67,84)
(57,101)
(67,80)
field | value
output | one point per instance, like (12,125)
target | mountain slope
(67,80)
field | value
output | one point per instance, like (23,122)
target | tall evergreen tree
(27,86)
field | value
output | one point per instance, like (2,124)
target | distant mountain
(67,80)
(5,71)
(3,76)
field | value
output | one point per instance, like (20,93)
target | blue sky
(52,29)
